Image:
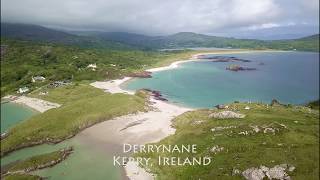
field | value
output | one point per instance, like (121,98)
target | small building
(43,93)
(23,90)
(38,78)
(92,66)
(247,108)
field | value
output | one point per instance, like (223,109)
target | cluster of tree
(23,60)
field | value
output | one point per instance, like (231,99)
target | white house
(22,90)
(92,66)
(37,78)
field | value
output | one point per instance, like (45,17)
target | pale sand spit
(34,103)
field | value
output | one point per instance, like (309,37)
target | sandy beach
(140,128)
(34,103)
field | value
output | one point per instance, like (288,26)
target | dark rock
(222,58)
(220,106)
(143,74)
(239,68)
(275,102)
(156,94)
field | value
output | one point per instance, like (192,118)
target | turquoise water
(12,113)
(291,77)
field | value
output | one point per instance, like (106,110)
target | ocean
(290,77)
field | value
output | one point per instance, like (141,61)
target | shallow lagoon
(12,114)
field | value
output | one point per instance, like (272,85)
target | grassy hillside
(124,40)
(189,39)
(285,135)
(28,32)
(310,43)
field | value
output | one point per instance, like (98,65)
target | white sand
(171,66)
(151,126)
(112,86)
(155,125)
(34,103)
(146,127)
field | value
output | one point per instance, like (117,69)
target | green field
(295,142)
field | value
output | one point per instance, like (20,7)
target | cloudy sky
(247,18)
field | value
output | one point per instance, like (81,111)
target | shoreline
(35,104)
(176,64)
(154,125)
(149,127)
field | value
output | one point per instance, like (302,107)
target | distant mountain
(130,40)
(309,43)
(34,32)
(190,39)
(42,34)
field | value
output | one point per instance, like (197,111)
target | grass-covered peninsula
(267,136)
(79,110)
(22,168)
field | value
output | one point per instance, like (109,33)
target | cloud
(160,16)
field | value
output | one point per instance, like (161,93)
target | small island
(237,68)
(223,58)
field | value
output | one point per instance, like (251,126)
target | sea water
(290,77)
(12,114)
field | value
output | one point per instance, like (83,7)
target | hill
(191,40)
(28,32)
(21,60)
(125,40)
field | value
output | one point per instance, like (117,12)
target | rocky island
(223,58)
(239,68)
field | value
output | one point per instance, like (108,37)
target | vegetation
(30,50)
(189,40)
(82,110)
(314,104)
(22,59)
(295,142)
(34,162)
(22,177)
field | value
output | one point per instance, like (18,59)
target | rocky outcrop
(156,94)
(239,68)
(275,102)
(216,149)
(143,74)
(253,174)
(276,172)
(222,58)
(226,115)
